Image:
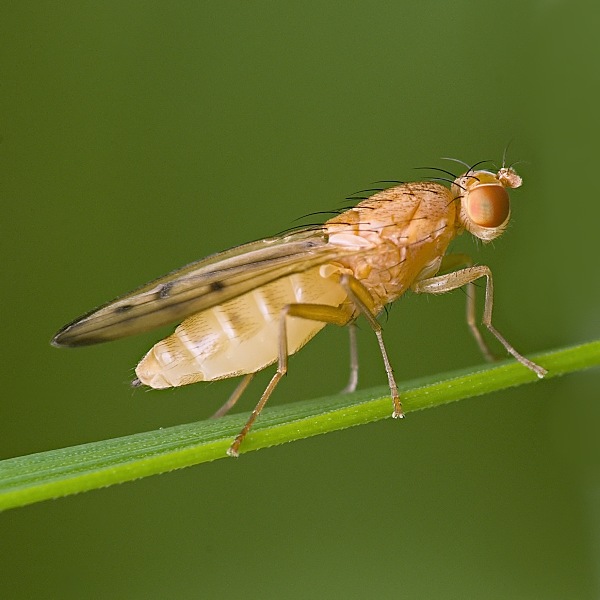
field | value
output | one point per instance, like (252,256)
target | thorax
(400,234)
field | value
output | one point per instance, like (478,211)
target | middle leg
(314,312)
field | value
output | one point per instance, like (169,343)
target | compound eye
(488,205)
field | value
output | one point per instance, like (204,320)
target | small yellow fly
(255,305)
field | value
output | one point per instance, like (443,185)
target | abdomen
(240,336)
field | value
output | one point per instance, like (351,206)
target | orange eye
(488,205)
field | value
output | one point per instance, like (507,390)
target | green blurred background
(139,136)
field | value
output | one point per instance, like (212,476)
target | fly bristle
(437,169)
(367,190)
(335,211)
(445,179)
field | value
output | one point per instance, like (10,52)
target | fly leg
(353,379)
(451,262)
(314,312)
(456,279)
(239,390)
(363,301)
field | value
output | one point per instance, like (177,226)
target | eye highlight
(488,205)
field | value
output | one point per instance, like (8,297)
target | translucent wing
(199,286)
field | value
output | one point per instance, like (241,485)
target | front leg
(456,279)
(454,262)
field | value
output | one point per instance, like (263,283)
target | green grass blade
(56,473)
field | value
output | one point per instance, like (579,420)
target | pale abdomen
(240,336)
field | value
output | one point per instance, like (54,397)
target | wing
(201,285)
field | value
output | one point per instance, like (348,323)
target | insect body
(255,305)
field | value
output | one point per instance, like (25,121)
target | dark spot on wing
(165,290)
(123,308)
(216,286)
(311,244)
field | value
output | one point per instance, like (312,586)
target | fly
(255,305)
